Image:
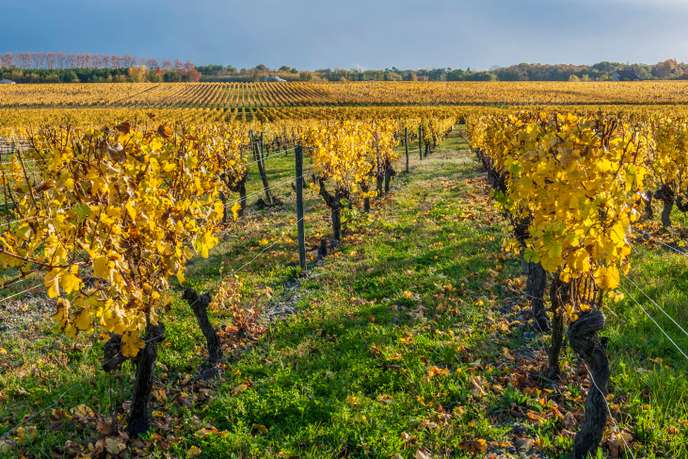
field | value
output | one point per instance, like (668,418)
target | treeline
(57,60)
(54,67)
(602,71)
(89,75)
(93,68)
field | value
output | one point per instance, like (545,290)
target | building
(7,82)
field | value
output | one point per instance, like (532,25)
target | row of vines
(110,218)
(574,186)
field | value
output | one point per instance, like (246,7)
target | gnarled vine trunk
(199,305)
(389,173)
(535,289)
(682,203)
(333,201)
(666,212)
(559,295)
(112,355)
(366,200)
(649,213)
(592,351)
(667,196)
(139,416)
(240,188)
(379,181)
(322,249)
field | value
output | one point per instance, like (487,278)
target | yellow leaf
(52,283)
(10,262)
(607,278)
(24,232)
(70,283)
(131,209)
(616,296)
(131,344)
(101,267)
(235,210)
(580,262)
(83,321)
(604,165)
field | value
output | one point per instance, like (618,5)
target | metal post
(299,207)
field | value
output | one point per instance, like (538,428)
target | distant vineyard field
(316,94)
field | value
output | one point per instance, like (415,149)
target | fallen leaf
(239,389)
(437,371)
(476,446)
(260,428)
(617,443)
(194,451)
(115,445)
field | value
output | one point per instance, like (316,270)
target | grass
(408,341)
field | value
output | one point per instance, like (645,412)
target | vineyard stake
(260,161)
(420,142)
(406,147)
(298,156)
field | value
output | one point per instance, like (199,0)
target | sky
(368,34)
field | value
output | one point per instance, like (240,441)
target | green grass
(409,338)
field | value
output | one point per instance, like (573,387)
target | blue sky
(314,34)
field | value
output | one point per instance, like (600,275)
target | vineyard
(308,94)
(354,269)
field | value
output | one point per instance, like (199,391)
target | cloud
(372,34)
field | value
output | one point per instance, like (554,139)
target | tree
(69,77)
(138,74)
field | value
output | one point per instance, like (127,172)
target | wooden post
(260,161)
(298,155)
(264,151)
(407,148)
(420,141)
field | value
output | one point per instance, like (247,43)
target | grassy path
(405,342)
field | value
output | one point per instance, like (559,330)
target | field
(111,103)
(309,94)
(417,328)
